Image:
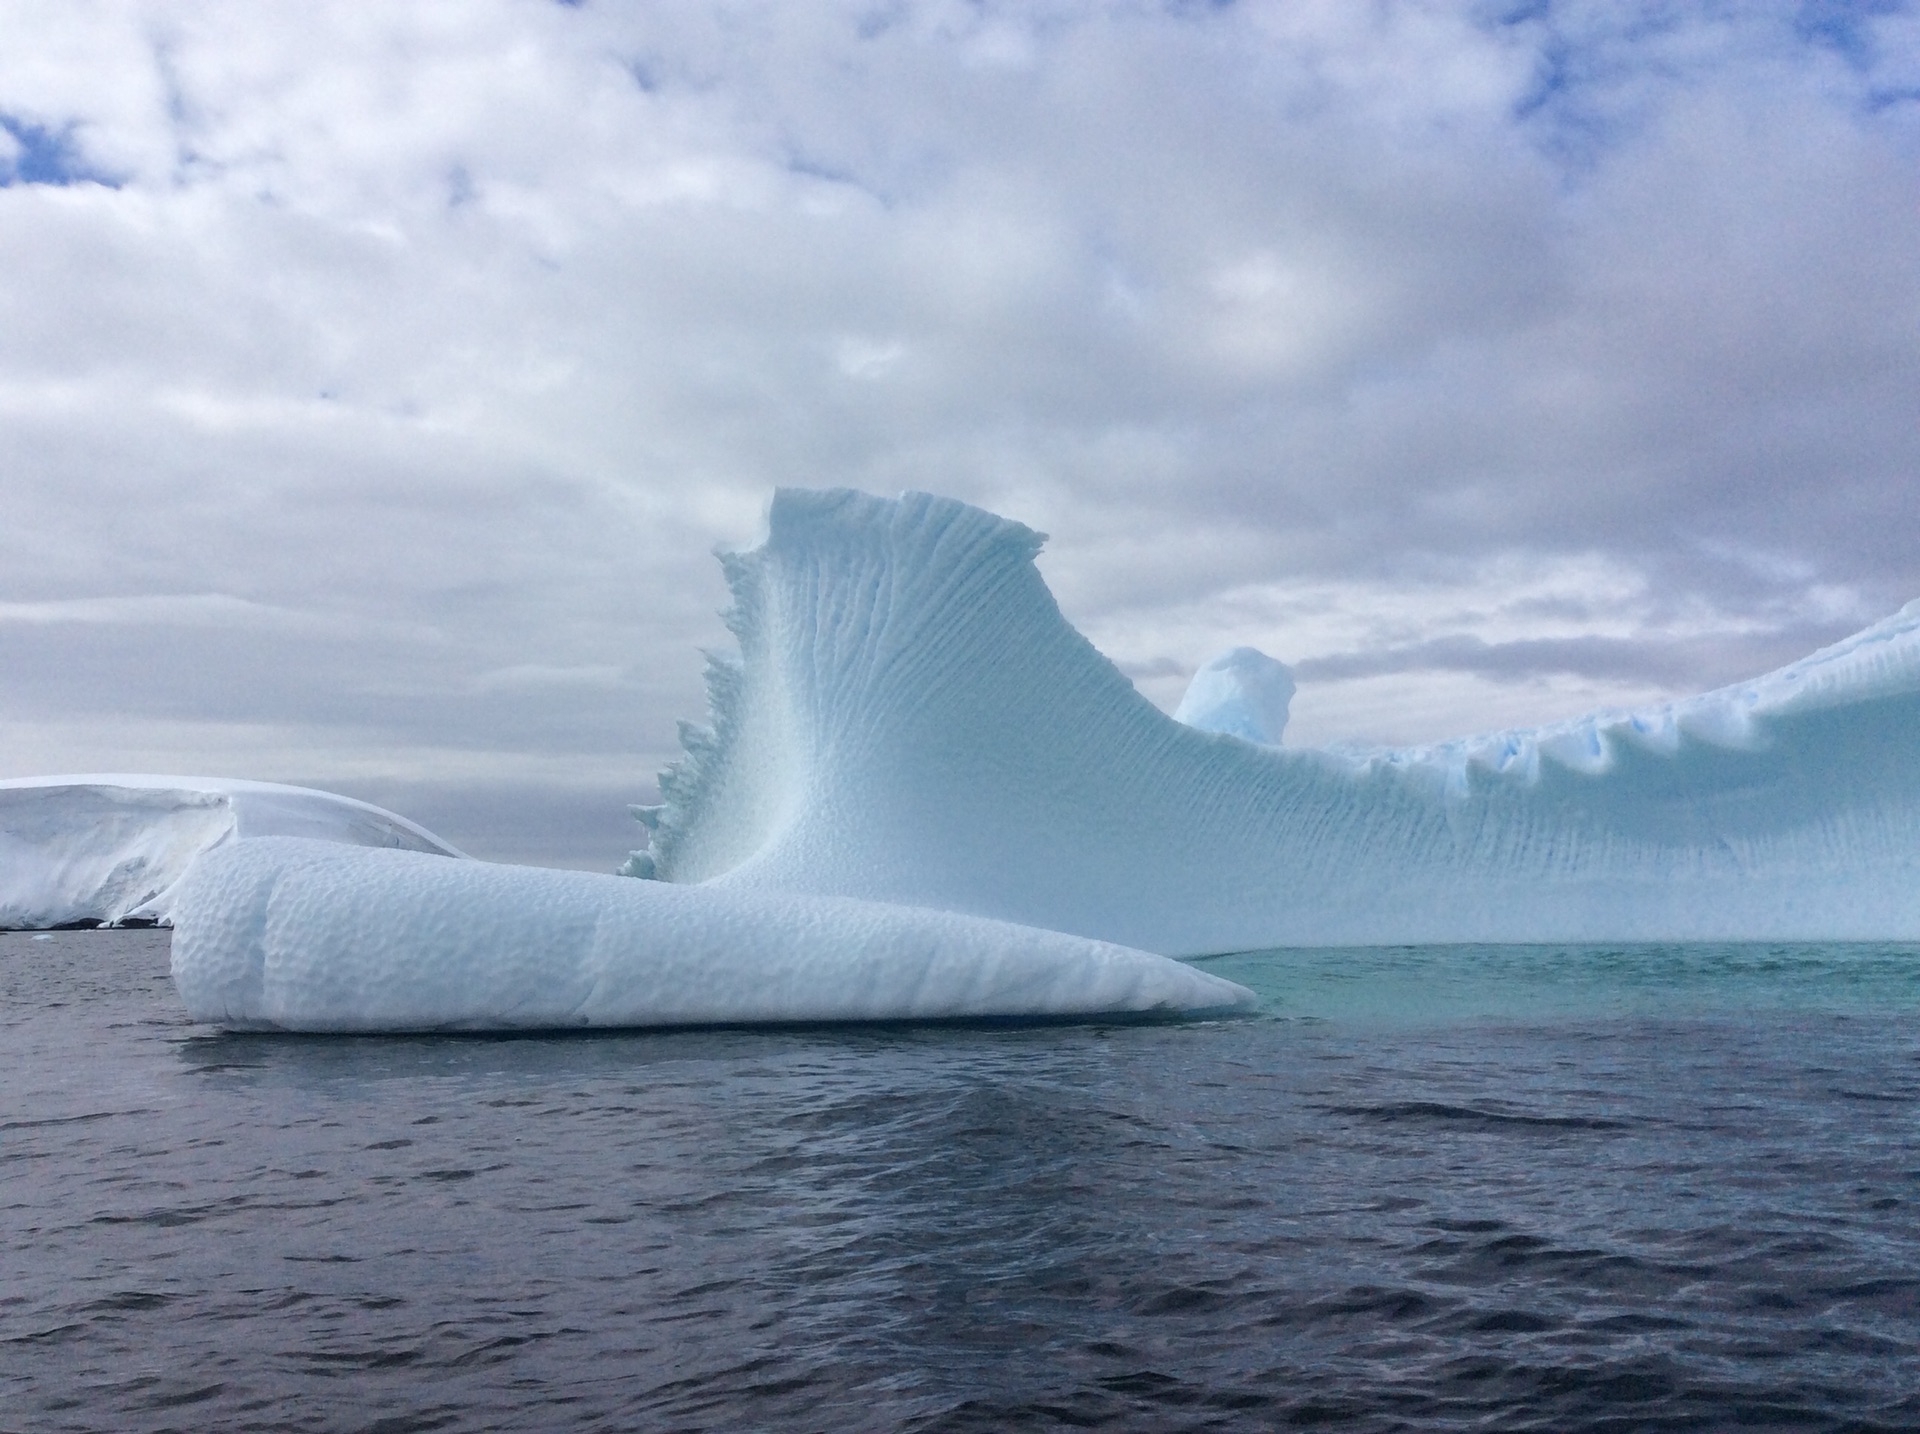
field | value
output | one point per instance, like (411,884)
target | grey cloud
(217,610)
(1687,665)
(1220,296)
(1155,667)
(543,824)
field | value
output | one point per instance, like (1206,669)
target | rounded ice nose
(291,934)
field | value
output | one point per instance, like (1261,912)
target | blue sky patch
(46,156)
(1844,26)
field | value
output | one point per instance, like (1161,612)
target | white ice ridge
(911,719)
(109,848)
(303,935)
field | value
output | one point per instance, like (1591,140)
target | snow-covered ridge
(111,847)
(304,935)
(911,719)
(1881,661)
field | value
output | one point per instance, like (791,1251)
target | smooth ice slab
(911,719)
(110,848)
(314,936)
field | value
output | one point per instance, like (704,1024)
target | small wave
(1430,1110)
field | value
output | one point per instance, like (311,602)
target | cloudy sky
(376,381)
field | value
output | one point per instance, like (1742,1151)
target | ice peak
(1242,693)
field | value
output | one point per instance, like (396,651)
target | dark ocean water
(1450,1188)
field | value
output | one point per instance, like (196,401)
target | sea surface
(1497,1188)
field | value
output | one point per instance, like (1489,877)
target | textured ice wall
(109,848)
(911,719)
(315,936)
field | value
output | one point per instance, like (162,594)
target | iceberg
(1243,693)
(110,849)
(288,933)
(910,719)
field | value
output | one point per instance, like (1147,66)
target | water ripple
(1679,1216)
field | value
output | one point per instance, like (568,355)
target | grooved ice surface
(316,936)
(911,719)
(108,848)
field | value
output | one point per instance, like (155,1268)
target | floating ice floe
(110,848)
(910,719)
(302,935)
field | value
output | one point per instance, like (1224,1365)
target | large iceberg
(110,848)
(910,719)
(292,934)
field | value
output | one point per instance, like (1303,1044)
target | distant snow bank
(110,848)
(302,935)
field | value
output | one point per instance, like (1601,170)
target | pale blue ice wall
(912,719)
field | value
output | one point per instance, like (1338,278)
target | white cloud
(204,610)
(538,675)
(1321,326)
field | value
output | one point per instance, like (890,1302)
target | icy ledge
(300,935)
(911,719)
(110,848)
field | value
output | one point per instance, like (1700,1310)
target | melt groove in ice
(910,719)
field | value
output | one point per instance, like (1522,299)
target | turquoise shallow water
(1556,1188)
(1452,985)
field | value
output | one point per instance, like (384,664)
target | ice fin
(911,719)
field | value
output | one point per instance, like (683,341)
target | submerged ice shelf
(293,934)
(910,719)
(110,848)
